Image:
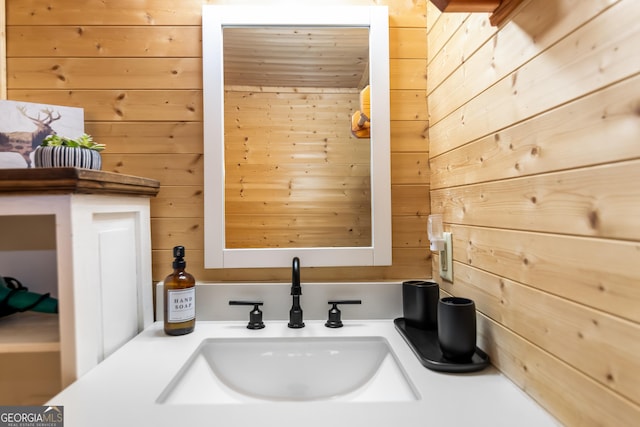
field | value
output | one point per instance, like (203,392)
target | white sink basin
(235,370)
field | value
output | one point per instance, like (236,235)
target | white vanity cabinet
(102,260)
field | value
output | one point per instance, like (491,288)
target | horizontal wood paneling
(595,129)
(593,56)
(178,201)
(122,105)
(573,397)
(81,41)
(408,73)
(407,43)
(601,201)
(534,163)
(464,56)
(562,327)
(105,73)
(410,231)
(410,168)
(148,137)
(170,168)
(113,12)
(448,51)
(288,57)
(405,14)
(408,105)
(409,262)
(410,200)
(294,174)
(556,264)
(409,135)
(135,69)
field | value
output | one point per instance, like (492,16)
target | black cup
(457,328)
(420,303)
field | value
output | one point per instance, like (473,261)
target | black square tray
(424,343)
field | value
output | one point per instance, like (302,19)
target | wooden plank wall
(535,164)
(3,51)
(136,69)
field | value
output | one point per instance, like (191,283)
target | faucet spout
(296,289)
(295,314)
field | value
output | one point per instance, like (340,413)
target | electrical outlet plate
(446,259)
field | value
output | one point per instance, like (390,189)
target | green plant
(83,141)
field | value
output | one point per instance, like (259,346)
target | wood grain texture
(593,272)
(100,41)
(296,56)
(534,163)
(168,137)
(408,262)
(30,332)
(135,69)
(562,327)
(496,57)
(33,378)
(601,201)
(74,180)
(466,5)
(593,57)
(113,12)
(3,51)
(502,12)
(409,135)
(407,43)
(105,73)
(294,174)
(572,396)
(153,105)
(601,127)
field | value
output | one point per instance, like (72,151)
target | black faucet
(295,314)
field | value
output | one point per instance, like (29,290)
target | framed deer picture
(23,126)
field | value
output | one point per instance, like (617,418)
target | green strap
(16,298)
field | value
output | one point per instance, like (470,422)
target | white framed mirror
(241,47)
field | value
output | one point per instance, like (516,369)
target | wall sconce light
(440,241)
(435,231)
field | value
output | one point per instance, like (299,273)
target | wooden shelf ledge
(499,9)
(74,180)
(29,332)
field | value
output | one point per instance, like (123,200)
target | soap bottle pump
(179,297)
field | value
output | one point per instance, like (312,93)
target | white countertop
(122,390)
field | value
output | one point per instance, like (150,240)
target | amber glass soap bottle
(179,297)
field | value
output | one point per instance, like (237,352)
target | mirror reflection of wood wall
(294,174)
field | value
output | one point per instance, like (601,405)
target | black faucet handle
(345,301)
(334,320)
(255,315)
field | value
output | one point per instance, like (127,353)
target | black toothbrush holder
(420,303)
(457,328)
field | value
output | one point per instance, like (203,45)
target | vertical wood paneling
(135,68)
(534,153)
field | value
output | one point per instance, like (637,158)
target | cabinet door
(111,275)
(118,280)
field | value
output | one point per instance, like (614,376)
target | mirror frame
(214,19)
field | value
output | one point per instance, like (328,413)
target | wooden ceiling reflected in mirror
(322,57)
